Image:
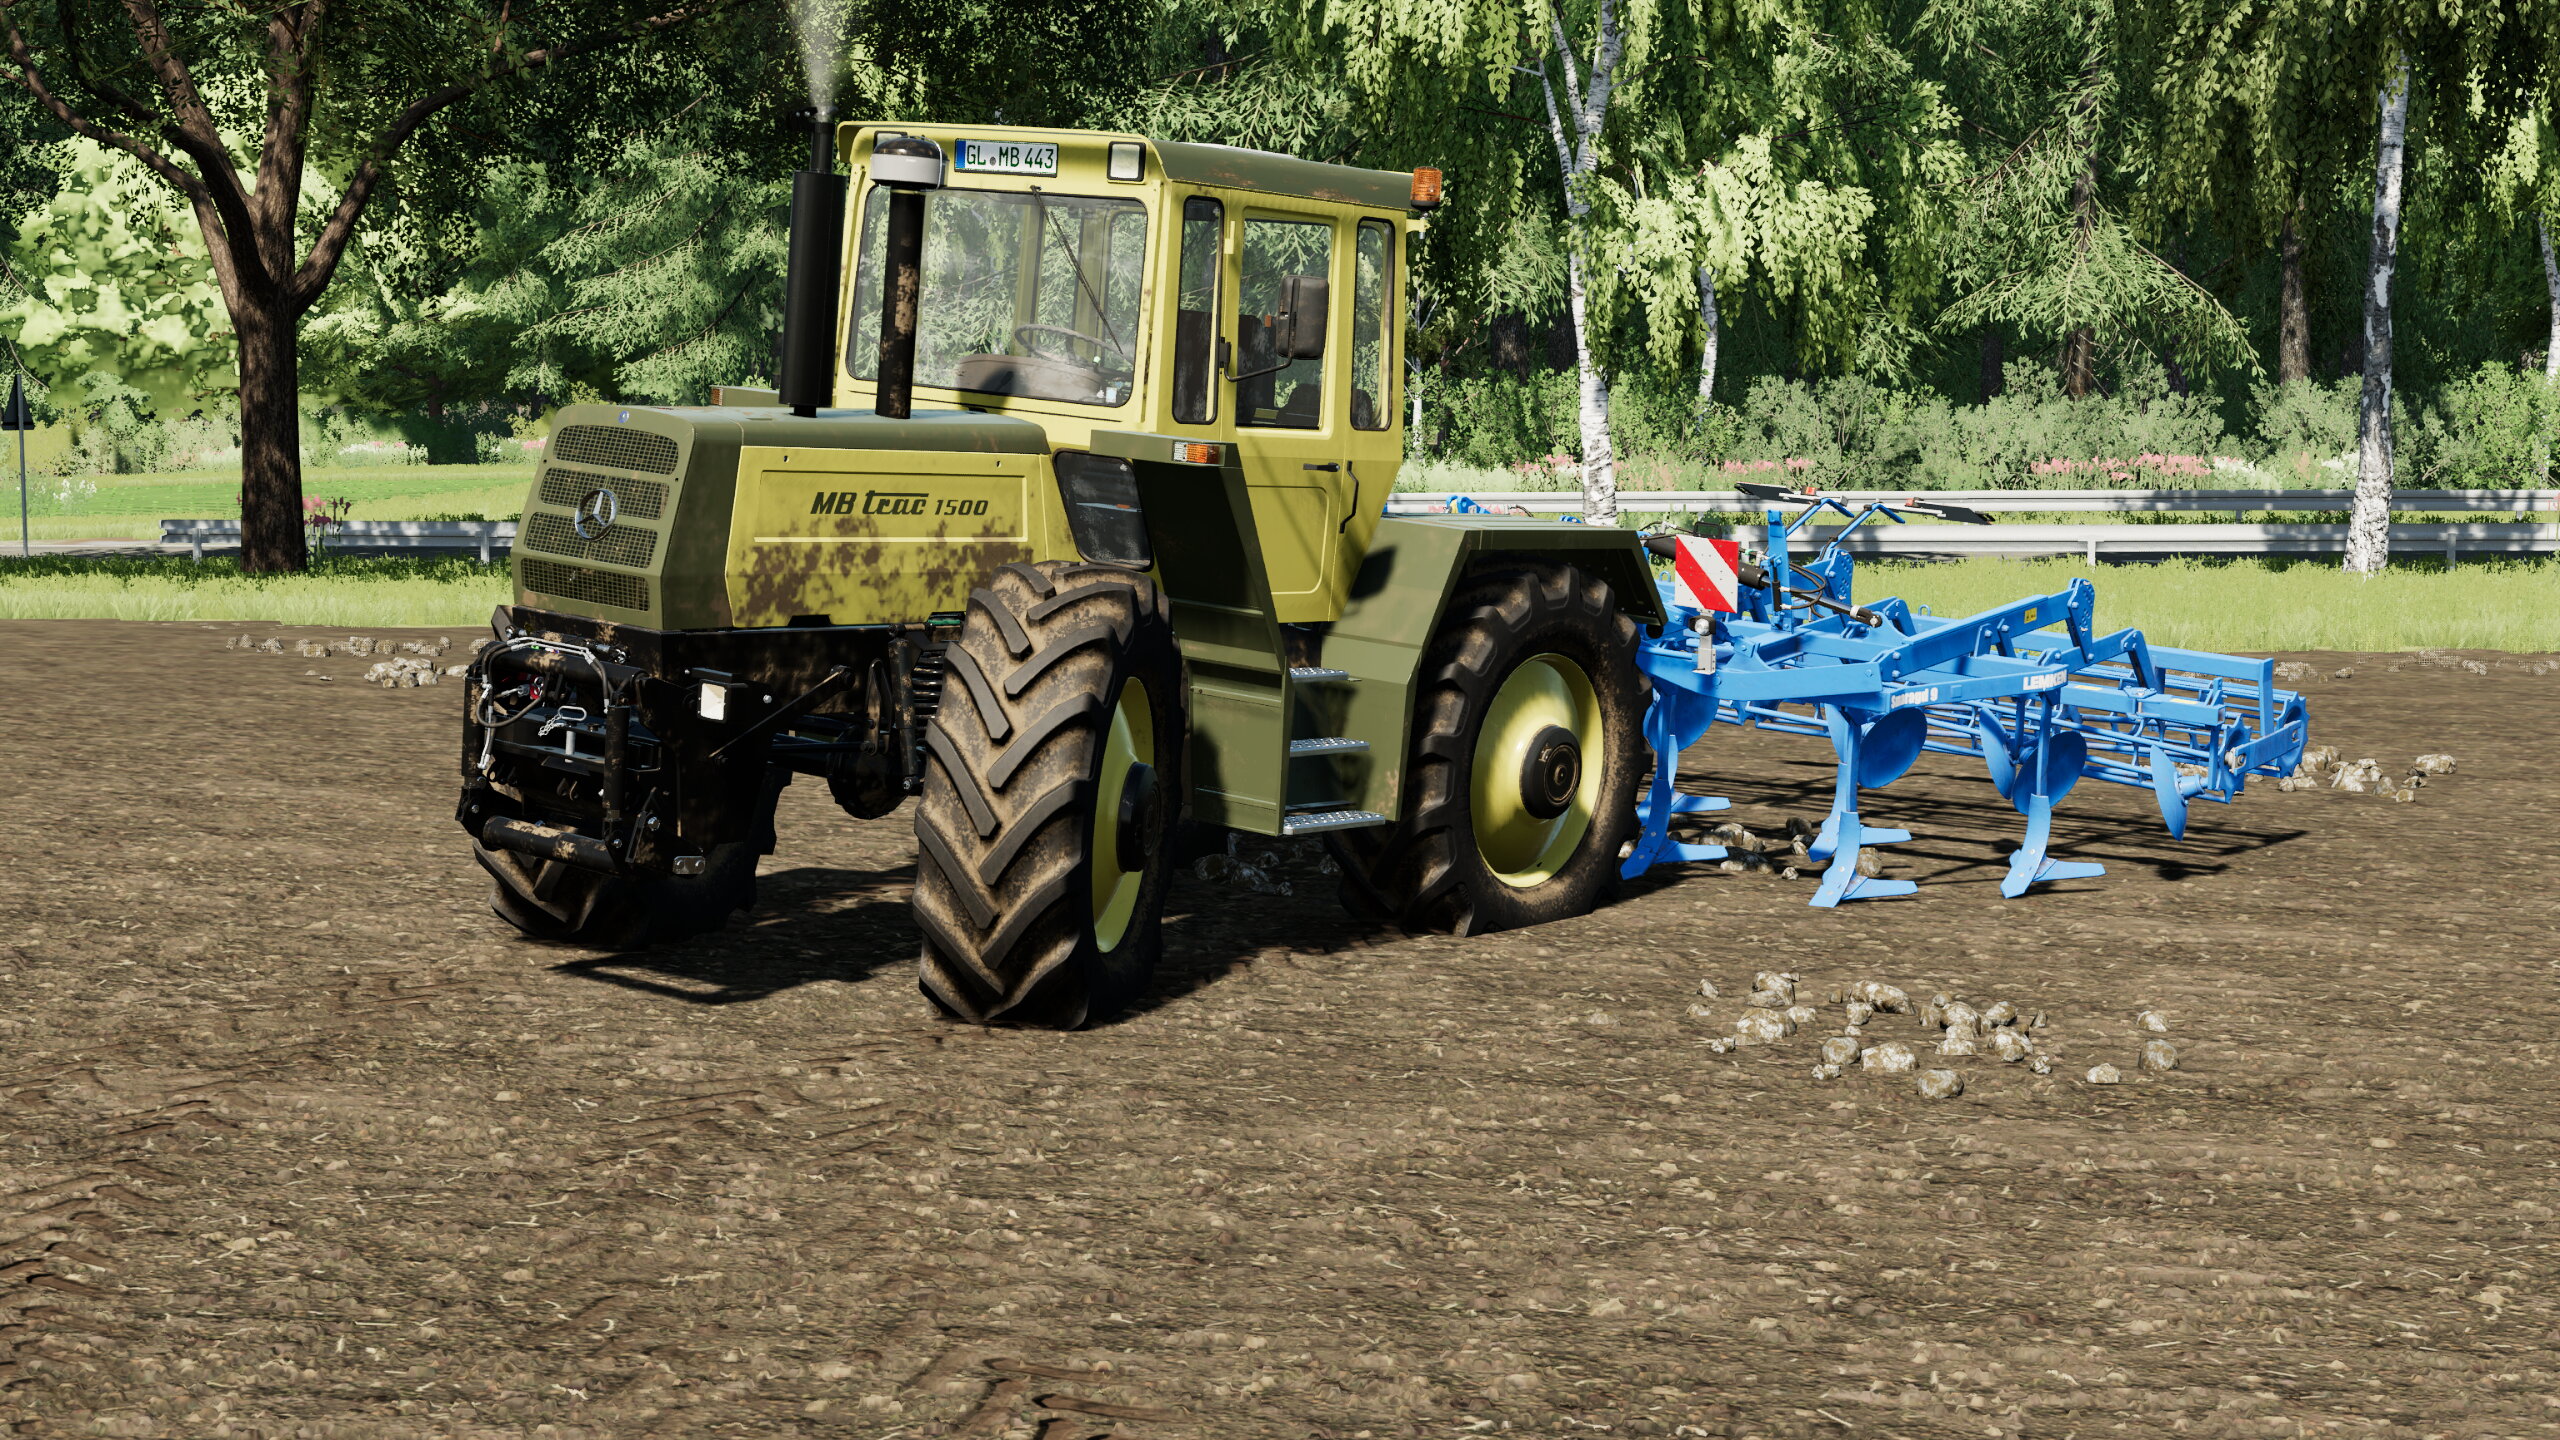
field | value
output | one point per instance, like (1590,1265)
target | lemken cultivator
(1781,646)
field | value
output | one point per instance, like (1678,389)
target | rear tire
(1053,783)
(560,903)
(1528,746)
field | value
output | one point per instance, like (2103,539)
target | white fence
(486,535)
(2096,542)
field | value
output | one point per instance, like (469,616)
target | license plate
(1008,157)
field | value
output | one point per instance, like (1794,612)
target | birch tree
(1576,95)
(2369,523)
(2551,284)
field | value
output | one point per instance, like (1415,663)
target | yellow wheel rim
(1521,847)
(1131,741)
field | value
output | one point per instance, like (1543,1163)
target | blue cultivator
(1884,683)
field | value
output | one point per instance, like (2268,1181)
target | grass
(380,492)
(2262,606)
(353,592)
(2244,605)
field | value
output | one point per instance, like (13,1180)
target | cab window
(1195,322)
(1025,293)
(1269,392)
(1372,260)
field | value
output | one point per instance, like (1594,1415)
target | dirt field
(299,1141)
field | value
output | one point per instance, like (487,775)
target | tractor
(1065,520)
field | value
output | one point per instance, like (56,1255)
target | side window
(1195,321)
(1269,392)
(1373,258)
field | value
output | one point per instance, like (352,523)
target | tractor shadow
(809,925)
(1215,929)
(814,924)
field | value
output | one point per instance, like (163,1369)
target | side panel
(1403,588)
(868,537)
(1209,559)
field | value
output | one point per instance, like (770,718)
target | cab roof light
(1128,161)
(1426,188)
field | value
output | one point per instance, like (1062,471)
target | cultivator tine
(1672,724)
(2060,758)
(1843,835)
(2171,792)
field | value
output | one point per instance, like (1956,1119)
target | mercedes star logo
(597,510)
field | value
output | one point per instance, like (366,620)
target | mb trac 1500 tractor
(1066,519)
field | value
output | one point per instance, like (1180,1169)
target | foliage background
(1909,208)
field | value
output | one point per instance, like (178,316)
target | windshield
(1024,294)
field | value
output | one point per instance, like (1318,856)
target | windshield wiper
(1075,263)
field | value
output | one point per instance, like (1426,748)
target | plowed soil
(298,1140)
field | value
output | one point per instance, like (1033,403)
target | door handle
(1327,465)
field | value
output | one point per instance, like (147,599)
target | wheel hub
(1136,819)
(1551,773)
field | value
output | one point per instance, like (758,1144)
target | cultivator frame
(1888,682)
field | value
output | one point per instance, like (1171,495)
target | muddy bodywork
(719,517)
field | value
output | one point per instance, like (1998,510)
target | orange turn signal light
(1195,452)
(1426,189)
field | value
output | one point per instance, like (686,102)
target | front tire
(1528,746)
(1054,780)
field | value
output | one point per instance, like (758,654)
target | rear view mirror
(1297,332)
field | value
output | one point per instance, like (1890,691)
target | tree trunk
(1991,372)
(2079,362)
(2293,308)
(1599,473)
(2551,283)
(2080,347)
(1713,326)
(271,532)
(2369,524)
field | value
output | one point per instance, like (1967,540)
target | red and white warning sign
(1706,572)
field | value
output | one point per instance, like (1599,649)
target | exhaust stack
(809,291)
(909,165)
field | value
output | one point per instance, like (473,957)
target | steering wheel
(1023,336)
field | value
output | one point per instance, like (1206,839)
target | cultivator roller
(1780,645)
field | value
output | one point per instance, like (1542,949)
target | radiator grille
(618,545)
(639,499)
(616,448)
(577,582)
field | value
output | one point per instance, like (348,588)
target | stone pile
(1750,853)
(402,672)
(404,664)
(1775,1010)
(1258,872)
(2362,777)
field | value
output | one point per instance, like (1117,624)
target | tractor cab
(1095,282)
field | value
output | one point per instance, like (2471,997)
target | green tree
(2049,241)
(231,109)
(108,277)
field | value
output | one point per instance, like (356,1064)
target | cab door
(1287,412)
